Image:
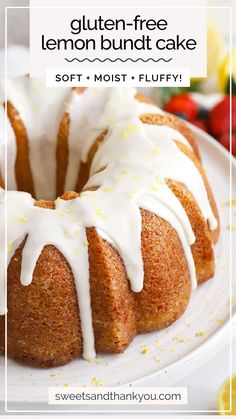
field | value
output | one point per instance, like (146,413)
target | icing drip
(11,151)
(90,115)
(65,232)
(34,102)
(128,172)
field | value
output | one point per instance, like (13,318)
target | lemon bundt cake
(90,269)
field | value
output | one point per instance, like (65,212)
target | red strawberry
(182,105)
(200,124)
(225,141)
(219,117)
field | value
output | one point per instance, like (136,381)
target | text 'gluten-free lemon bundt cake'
(90,269)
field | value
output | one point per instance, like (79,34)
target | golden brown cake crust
(62,150)
(1,181)
(62,153)
(167,286)
(185,150)
(22,164)
(43,318)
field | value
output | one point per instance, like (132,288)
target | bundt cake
(88,270)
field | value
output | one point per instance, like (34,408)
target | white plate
(178,347)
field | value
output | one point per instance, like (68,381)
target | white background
(205,382)
(55,24)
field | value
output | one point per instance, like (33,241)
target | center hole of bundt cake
(40,188)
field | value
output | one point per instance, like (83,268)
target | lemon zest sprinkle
(157,342)
(124,171)
(160,181)
(65,232)
(219,320)
(97,381)
(22,219)
(100,213)
(200,333)
(84,195)
(131,128)
(112,121)
(179,339)
(156,151)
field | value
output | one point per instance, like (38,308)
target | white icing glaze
(135,159)
(11,151)
(65,232)
(34,102)
(90,115)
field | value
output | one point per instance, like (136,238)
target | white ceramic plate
(173,352)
